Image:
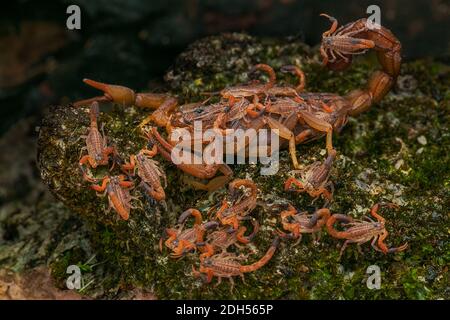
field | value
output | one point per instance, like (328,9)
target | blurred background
(134,42)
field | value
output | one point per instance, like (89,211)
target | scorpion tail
(264,260)
(297,72)
(320,217)
(270,72)
(388,50)
(330,225)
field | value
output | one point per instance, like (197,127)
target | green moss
(397,152)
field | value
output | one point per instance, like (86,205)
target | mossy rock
(398,152)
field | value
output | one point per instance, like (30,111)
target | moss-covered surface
(398,151)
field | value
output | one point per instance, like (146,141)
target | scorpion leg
(302,136)
(333,25)
(231,284)
(283,132)
(333,57)
(373,244)
(243,278)
(219,281)
(321,126)
(87,159)
(344,246)
(324,55)
(297,235)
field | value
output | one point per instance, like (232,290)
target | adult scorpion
(297,115)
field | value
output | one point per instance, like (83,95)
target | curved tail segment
(339,45)
(338,218)
(264,260)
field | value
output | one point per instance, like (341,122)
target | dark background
(133,42)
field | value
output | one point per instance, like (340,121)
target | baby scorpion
(149,172)
(226,265)
(360,231)
(232,215)
(220,240)
(340,42)
(96,145)
(297,223)
(118,192)
(314,179)
(182,241)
